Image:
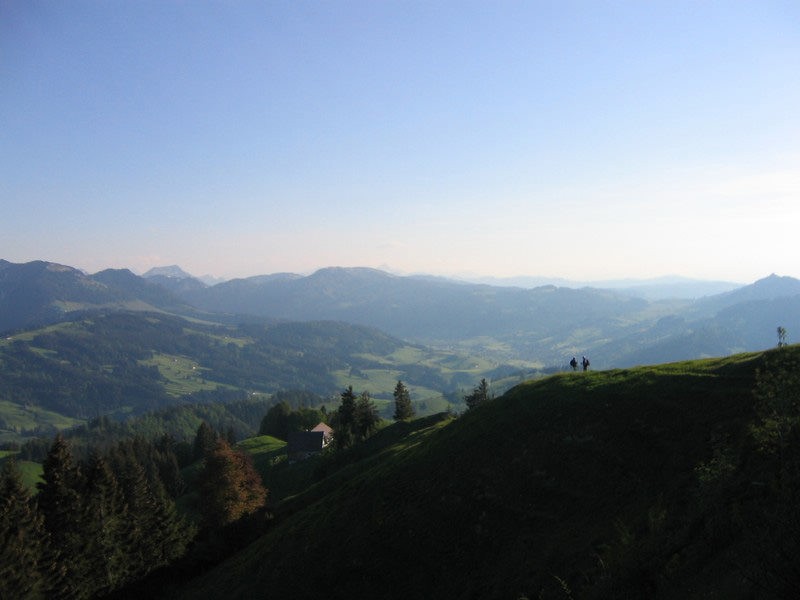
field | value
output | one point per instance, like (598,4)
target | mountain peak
(768,288)
(173,271)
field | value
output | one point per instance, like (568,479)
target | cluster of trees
(356,418)
(281,420)
(94,526)
(100,524)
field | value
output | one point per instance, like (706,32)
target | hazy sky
(587,140)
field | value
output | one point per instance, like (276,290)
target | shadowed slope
(521,496)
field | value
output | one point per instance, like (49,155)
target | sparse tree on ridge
(479,395)
(403,409)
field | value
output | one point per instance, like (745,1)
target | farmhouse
(302,444)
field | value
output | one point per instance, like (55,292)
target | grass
(265,450)
(511,498)
(18,417)
(184,376)
(31,471)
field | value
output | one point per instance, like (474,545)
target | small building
(303,444)
(327,433)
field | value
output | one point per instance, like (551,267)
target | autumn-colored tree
(230,486)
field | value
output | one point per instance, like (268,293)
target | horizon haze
(589,141)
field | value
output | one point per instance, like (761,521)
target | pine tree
(345,419)
(230,486)
(105,515)
(403,409)
(366,417)
(61,506)
(155,534)
(204,441)
(22,539)
(479,395)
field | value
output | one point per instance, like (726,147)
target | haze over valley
(492,300)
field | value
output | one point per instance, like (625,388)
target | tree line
(100,524)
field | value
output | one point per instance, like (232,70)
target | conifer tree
(168,468)
(156,535)
(60,504)
(345,420)
(22,539)
(230,486)
(403,409)
(105,515)
(479,395)
(204,441)
(366,418)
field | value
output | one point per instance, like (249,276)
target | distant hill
(546,324)
(119,363)
(650,289)
(38,293)
(418,308)
(540,327)
(173,271)
(174,279)
(642,483)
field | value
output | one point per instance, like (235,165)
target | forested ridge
(122,363)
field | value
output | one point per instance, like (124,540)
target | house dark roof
(305,441)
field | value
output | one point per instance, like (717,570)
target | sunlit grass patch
(183,375)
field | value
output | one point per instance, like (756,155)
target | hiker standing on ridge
(574,364)
(585,363)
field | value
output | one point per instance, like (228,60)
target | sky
(585,140)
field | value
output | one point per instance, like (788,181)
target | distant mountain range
(541,326)
(670,287)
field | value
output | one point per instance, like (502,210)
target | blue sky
(586,140)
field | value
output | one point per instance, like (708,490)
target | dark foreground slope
(642,483)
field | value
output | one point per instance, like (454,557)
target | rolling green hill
(121,363)
(641,483)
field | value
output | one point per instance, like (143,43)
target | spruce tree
(204,441)
(60,503)
(105,516)
(345,421)
(155,535)
(366,418)
(479,395)
(22,539)
(403,409)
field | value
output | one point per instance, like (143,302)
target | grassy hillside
(640,483)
